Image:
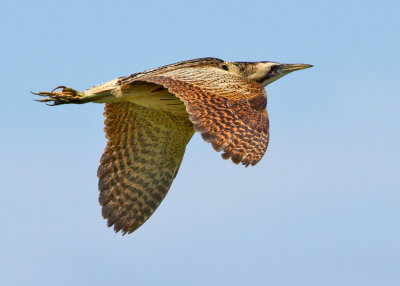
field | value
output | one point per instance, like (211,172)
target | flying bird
(150,117)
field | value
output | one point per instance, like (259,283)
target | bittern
(151,116)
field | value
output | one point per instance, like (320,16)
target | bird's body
(151,116)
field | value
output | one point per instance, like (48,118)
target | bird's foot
(63,96)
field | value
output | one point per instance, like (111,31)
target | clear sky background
(321,208)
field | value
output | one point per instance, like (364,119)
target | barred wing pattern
(228,110)
(143,154)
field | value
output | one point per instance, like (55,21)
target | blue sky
(321,208)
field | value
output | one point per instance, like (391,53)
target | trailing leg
(65,95)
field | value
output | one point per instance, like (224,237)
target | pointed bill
(286,68)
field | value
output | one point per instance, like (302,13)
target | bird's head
(262,72)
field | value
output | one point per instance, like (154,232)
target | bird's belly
(155,97)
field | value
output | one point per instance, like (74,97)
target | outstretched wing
(143,154)
(228,110)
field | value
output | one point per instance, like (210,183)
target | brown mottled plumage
(151,116)
(143,154)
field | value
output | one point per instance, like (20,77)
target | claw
(46,100)
(40,93)
(60,86)
(64,96)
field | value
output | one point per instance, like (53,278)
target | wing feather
(228,110)
(143,154)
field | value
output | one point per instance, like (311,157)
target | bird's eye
(225,67)
(272,70)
